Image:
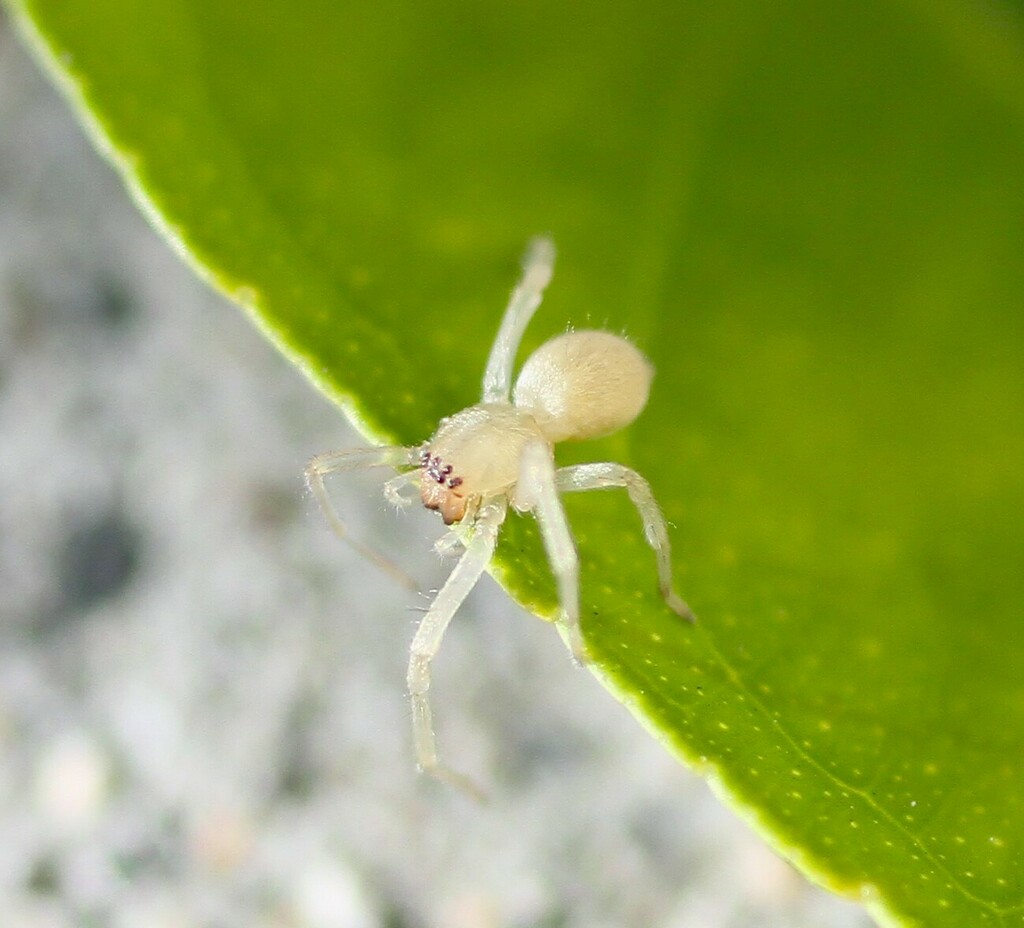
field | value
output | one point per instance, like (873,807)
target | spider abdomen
(584,384)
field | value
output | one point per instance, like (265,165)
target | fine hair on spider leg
(500,453)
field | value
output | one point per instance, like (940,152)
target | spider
(500,453)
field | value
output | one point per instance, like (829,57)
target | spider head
(441,488)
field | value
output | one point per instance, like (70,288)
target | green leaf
(809,215)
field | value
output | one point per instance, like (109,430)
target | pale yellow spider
(583,384)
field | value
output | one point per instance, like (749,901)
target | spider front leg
(537,491)
(479,549)
(606,475)
(335,462)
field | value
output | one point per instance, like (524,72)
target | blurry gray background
(203,721)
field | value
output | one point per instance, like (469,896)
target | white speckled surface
(202,712)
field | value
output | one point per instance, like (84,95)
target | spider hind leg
(537,491)
(603,476)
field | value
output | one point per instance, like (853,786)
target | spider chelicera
(500,453)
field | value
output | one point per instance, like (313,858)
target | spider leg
(537,491)
(606,475)
(334,462)
(393,489)
(430,632)
(538,265)
(449,543)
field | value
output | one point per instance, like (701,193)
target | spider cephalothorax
(482,445)
(500,453)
